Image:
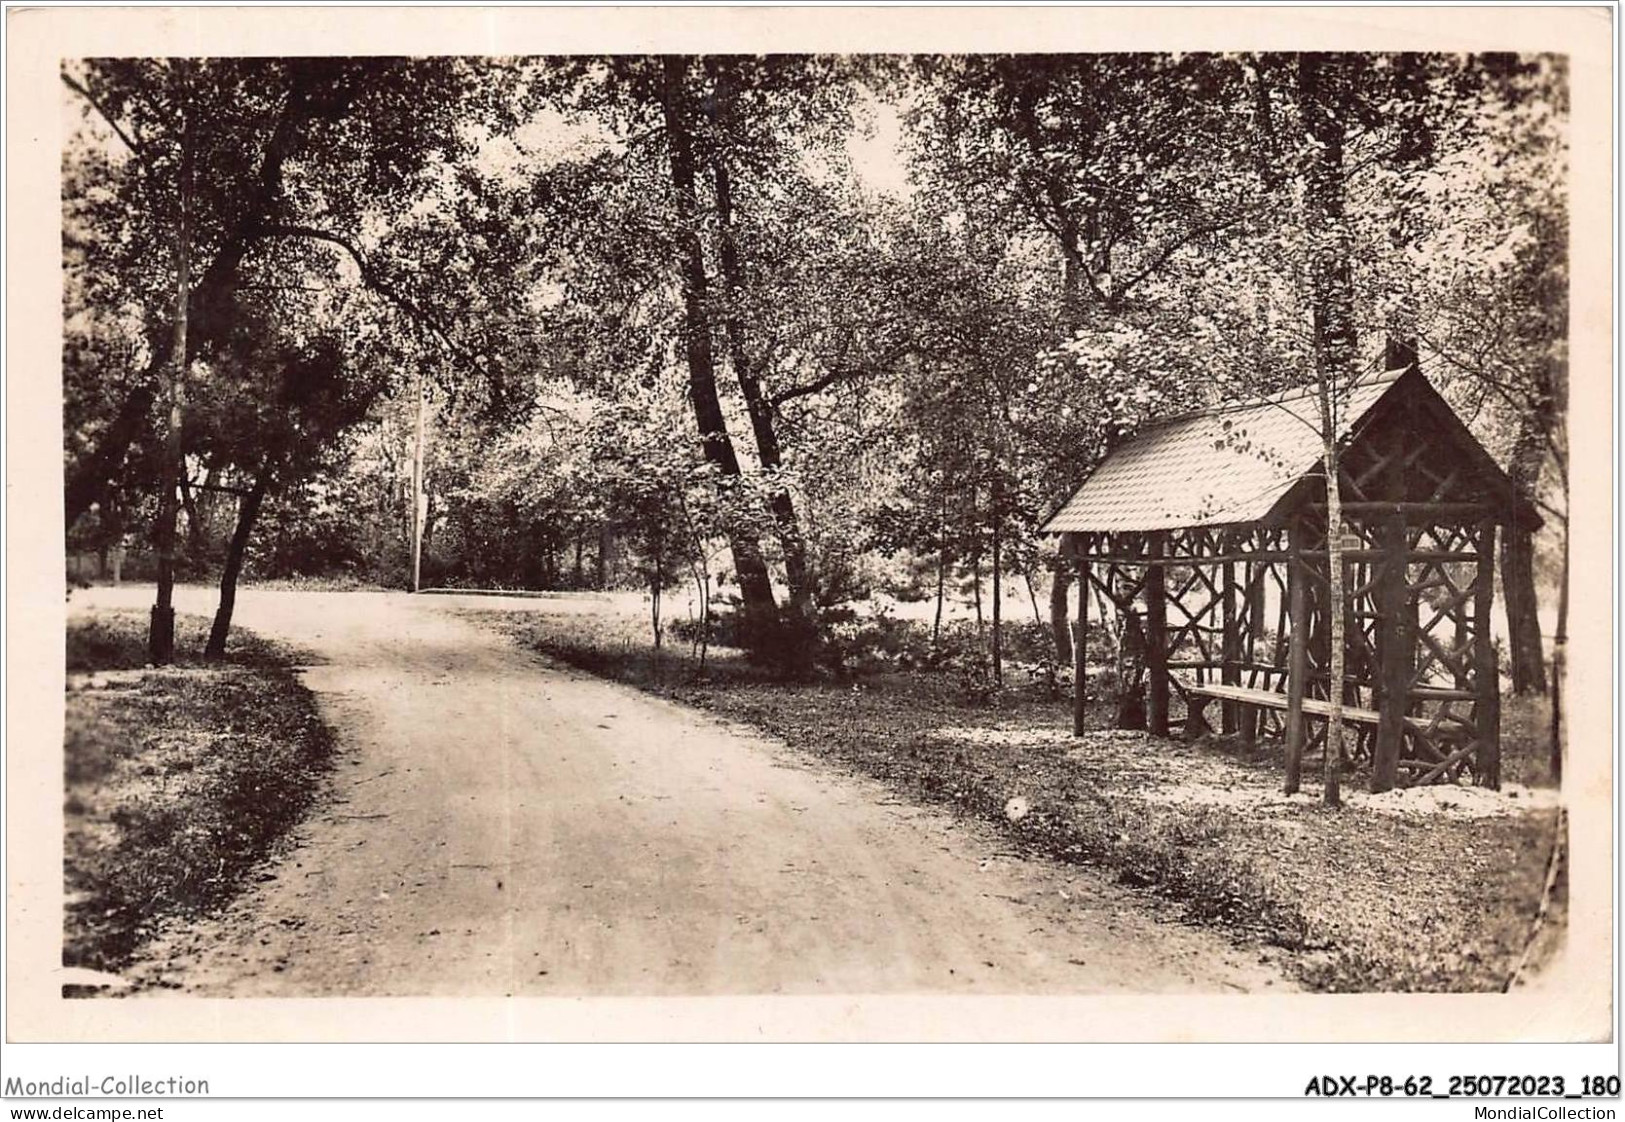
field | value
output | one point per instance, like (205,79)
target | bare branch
(137,148)
(375,281)
(833,377)
(1518,398)
(837,374)
(1172,248)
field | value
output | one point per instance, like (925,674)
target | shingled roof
(1227,465)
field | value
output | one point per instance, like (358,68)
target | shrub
(1027,641)
(786,642)
(687,630)
(1049,679)
(1106,685)
(877,642)
(106,643)
(974,681)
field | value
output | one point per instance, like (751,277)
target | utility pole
(417,488)
(1560,643)
(161,632)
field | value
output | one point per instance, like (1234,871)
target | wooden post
(1297,580)
(161,628)
(1396,641)
(1229,670)
(996,509)
(1486,669)
(1249,641)
(1319,625)
(1080,656)
(1156,639)
(417,488)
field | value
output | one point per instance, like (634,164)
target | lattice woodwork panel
(1192,594)
(1446,713)
(1445,734)
(1122,586)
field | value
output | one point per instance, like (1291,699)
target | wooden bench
(1197,699)
(1443,742)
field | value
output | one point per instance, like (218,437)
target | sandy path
(499,826)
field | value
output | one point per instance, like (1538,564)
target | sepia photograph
(690,523)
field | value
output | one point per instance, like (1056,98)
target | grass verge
(178,781)
(1384,894)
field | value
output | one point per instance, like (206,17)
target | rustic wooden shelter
(1206,533)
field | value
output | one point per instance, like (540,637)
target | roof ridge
(1170,475)
(1238,405)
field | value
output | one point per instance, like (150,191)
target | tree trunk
(247,515)
(1058,200)
(1072,318)
(1060,611)
(705,613)
(428,520)
(1527,659)
(1560,642)
(942,582)
(194,527)
(1486,665)
(998,592)
(760,410)
(1334,686)
(976,562)
(976,589)
(161,632)
(755,586)
(86,481)
(655,582)
(1396,646)
(1323,113)
(1526,656)
(942,567)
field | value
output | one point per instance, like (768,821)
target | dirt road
(500,826)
